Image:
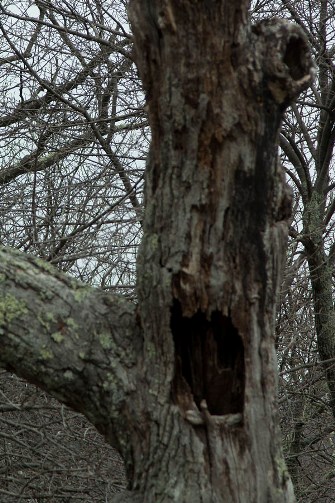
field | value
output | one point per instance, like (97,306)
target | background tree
(50,453)
(306,322)
(72,113)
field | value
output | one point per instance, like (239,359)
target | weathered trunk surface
(184,385)
(214,244)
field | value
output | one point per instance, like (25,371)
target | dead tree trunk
(214,244)
(184,386)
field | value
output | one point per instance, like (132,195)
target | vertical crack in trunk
(209,361)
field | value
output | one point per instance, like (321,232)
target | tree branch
(78,343)
(295,158)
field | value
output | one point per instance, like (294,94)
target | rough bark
(78,343)
(184,385)
(215,235)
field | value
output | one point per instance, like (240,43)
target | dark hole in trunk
(209,361)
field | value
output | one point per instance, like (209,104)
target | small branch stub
(201,417)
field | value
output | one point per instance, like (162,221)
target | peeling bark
(184,385)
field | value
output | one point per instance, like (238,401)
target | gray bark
(215,236)
(78,343)
(185,384)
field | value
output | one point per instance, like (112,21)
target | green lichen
(151,350)
(105,340)
(153,241)
(71,324)
(57,337)
(46,354)
(45,266)
(109,382)
(49,322)
(81,355)
(46,295)
(11,308)
(69,375)
(46,320)
(81,293)
(72,328)
(2,277)
(50,317)
(282,468)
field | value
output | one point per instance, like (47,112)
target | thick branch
(78,343)
(34,162)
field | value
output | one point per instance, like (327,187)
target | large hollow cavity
(209,361)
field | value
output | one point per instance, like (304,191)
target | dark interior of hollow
(209,361)
(292,57)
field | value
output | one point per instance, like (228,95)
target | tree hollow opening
(293,57)
(209,361)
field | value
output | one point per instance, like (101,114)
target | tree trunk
(214,243)
(321,275)
(185,386)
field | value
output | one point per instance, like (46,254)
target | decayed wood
(214,244)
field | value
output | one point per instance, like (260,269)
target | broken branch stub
(288,68)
